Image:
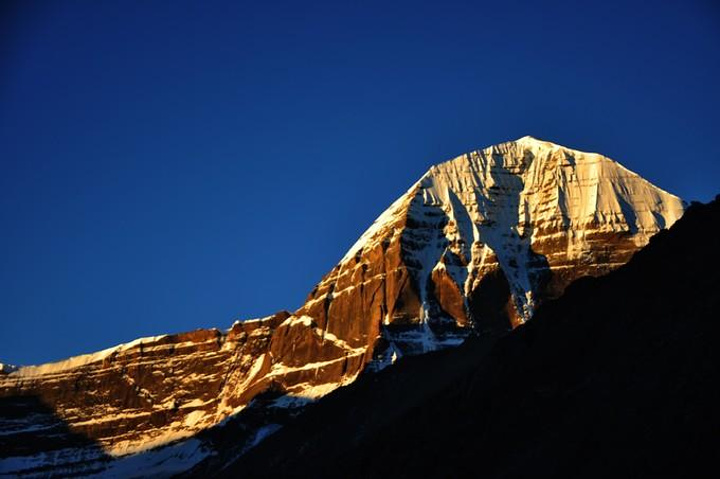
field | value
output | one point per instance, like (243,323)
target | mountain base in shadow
(616,378)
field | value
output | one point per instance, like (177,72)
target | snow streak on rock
(475,245)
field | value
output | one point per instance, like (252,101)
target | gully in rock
(474,246)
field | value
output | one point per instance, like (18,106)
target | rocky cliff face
(624,388)
(475,245)
(482,239)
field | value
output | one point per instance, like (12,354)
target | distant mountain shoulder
(617,378)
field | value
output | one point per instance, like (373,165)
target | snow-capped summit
(524,217)
(476,244)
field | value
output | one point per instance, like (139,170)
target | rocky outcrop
(617,378)
(475,245)
(527,214)
(139,395)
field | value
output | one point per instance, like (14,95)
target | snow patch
(161,462)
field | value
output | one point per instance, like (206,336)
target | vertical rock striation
(475,245)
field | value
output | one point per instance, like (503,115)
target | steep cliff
(475,245)
(617,378)
(482,239)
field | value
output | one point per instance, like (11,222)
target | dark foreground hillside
(618,378)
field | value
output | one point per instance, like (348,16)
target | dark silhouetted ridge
(617,378)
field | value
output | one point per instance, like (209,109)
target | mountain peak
(532,139)
(524,217)
(527,148)
(535,143)
(475,245)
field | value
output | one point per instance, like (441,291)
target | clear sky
(166,166)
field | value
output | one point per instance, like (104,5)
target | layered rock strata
(475,245)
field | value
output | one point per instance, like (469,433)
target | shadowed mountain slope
(617,378)
(475,245)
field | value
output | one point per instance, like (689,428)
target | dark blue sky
(167,165)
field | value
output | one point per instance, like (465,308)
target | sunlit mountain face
(616,378)
(472,251)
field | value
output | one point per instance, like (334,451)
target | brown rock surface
(478,242)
